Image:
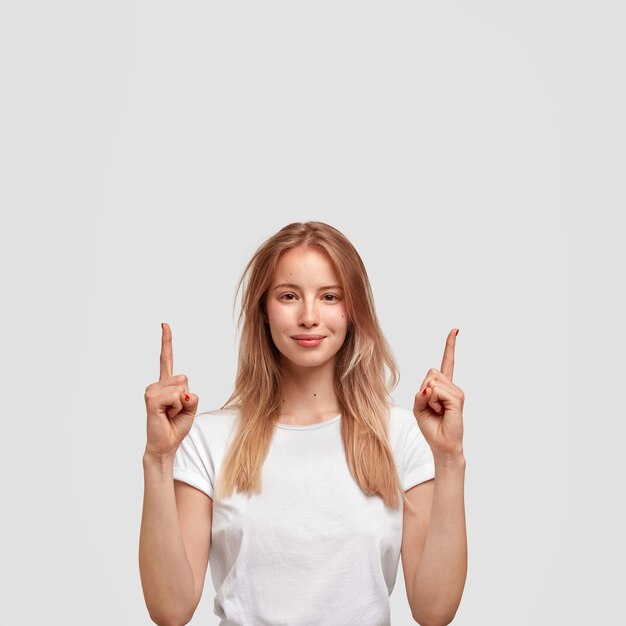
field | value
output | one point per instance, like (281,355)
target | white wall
(473,153)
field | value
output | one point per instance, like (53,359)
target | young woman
(294,490)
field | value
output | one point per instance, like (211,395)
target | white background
(473,152)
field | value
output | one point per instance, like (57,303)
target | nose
(308,315)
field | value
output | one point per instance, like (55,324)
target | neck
(308,393)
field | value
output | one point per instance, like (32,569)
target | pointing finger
(167,356)
(447,363)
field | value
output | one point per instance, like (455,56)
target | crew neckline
(332,420)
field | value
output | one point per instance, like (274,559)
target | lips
(308,341)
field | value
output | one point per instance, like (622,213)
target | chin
(313,360)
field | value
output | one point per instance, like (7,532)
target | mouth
(308,340)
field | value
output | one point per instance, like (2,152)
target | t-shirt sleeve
(419,463)
(193,463)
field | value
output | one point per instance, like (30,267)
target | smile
(309,343)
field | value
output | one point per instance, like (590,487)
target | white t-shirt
(311,549)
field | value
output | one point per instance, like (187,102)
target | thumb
(421,400)
(190,404)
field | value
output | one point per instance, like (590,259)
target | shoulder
(216,424)
(401,420)
(404,431)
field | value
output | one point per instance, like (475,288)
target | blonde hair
(362,391)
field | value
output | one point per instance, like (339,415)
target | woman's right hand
(170,413)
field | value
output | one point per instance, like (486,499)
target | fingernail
(187,397)
(457,332)
(424,392)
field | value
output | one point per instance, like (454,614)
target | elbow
(425,618)
(161,620)
(433,621)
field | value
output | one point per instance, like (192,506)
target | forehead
(305,265)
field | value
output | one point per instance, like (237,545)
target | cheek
(278,316)
(339,317)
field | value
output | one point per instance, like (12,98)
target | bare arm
(440,576)
(175,536)
(166,574)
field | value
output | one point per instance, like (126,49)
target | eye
(286,294)
(332,295)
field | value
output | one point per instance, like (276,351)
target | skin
(434,542)
(438,407)
(308,390)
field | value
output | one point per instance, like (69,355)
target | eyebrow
(294,286)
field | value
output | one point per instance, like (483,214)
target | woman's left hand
(438,407)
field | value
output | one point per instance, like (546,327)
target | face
(312,303)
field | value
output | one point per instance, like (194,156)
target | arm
(166,574)
(439,579)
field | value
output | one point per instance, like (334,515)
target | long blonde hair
(362,391)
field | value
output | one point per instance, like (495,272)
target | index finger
(167,356)
(447,363)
